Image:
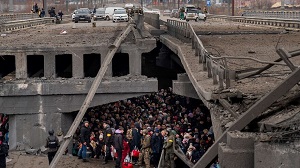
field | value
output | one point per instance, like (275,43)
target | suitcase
(127,164)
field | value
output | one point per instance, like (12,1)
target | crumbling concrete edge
(203,95)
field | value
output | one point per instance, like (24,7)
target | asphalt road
(101,23)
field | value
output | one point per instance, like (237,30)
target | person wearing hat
(145,150)
(156,145)
(169,151)
(85,140)
(108,141)
(52,144)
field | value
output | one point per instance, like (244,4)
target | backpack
(52,142)
(129,134)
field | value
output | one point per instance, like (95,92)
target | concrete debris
(21,146)
(44,150)
(8,160)
(32,151)
(228,124)
(63,32)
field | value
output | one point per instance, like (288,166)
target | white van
(109,11)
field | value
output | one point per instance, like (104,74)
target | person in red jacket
(126,149)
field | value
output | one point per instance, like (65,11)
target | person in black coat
(156,145)
(108,141)
(52,144)
(118,145)
(136,135)
(3,150)
(85,140)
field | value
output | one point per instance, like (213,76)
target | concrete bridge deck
(239,40)
(45,75)
(242,40)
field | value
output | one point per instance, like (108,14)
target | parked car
(120,15)
(83,14)
(157,11)
(73,15)
(195,14)
(99,14)
(202,16)
(167,12)
(174,13)
(109,11)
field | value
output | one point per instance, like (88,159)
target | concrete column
(77,65)
(66,122)
(49,65)
(21,65)
(135,62)
(11,5)
(109,69)
(239,150)
(31,130)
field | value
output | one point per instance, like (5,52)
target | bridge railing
(19,24)
(274,14)
(216,67)
(287,23)
(17,16)
(152,19)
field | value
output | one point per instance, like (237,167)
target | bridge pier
(109,71)
(49,63)
(135,62)
(31,130)
(77,65)
(21,65)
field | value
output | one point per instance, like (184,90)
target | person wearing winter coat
(118,145)
(126,150)
(156,145)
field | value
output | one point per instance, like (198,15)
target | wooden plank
(112,50)
(254,111)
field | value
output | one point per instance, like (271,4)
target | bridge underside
(31,115)
(41,87)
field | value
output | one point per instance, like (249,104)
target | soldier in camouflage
(169,151)
(146,149)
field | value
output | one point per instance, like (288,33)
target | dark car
(83,15)
(99,14)
(174,13)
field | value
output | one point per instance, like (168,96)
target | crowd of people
(149,124)
(4,140)
(51,12)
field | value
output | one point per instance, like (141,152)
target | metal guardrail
(273,14)
(19,24)
(216,67)
(287,23)
(152,19)
(179,153)
(17,16)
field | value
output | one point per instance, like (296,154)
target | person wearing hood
(118,145)
(136,141)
